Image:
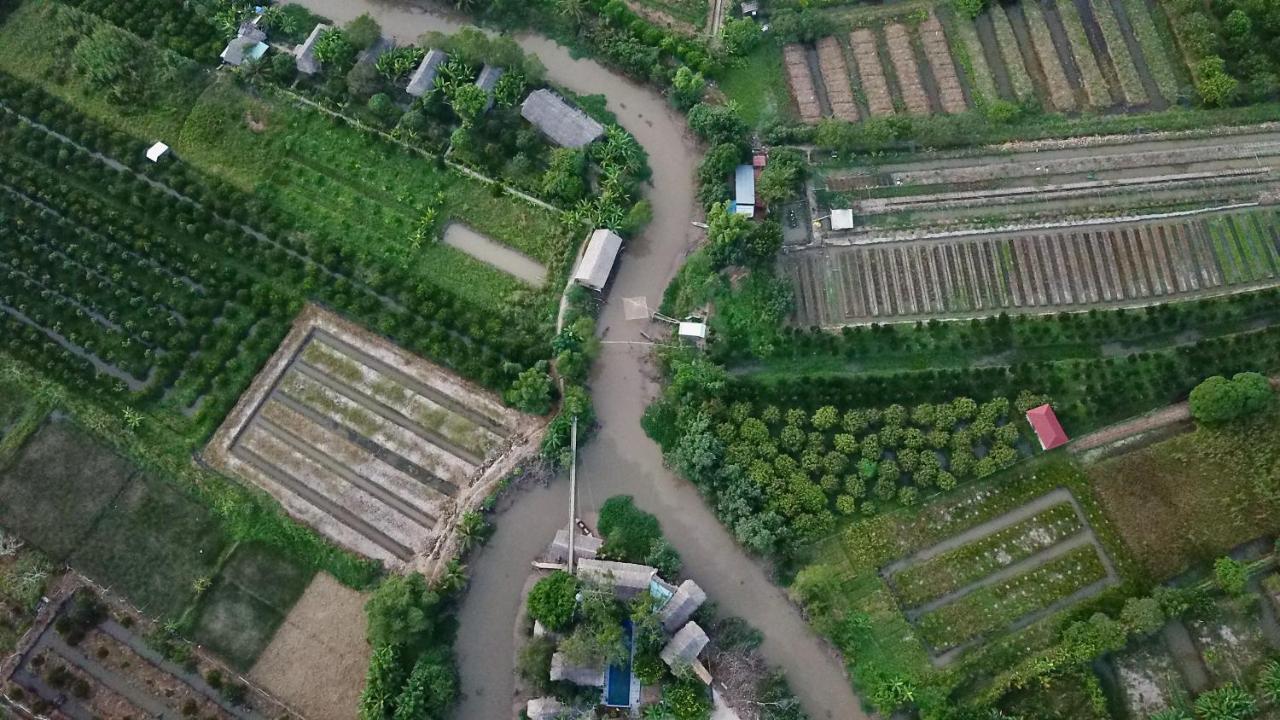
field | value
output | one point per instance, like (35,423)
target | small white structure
(306,52)
(424,78)
(597,262)
(842,219)
(695,331)
(157,151)
(744,190)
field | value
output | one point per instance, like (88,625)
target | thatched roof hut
(424,78)
(563,670)
(563,123)
(628,579)
(682,605)
(683,648)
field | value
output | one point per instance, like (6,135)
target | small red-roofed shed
(1047,427)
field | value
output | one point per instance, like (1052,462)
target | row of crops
(138,284)
(1045,271)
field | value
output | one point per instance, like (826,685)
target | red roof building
(1047,427)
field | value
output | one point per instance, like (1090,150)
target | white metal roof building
(306,52)
(744,183)
(598,259)
(564,124)
(424,78)
(157,151)
(842,219)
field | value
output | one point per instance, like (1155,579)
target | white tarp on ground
(157,151)
(597,262)
(842,219)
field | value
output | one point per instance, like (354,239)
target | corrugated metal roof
(628,579)
(306,52)
(842,219)
(597,262)
(682,605)
(486,81)
(1045,422)
(744,181)
(565,124)
(685,646)
(424,77)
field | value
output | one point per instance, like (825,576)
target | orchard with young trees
(782,476)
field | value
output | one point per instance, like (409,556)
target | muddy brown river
(620,458)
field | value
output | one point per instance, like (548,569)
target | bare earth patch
(318,658)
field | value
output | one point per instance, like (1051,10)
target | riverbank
(621,459)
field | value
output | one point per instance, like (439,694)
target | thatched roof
(628,579)
(597,260)
(562,669)
(306,52)
(684,647)
(584,547)
(424,78)
(563,123)
(682,605)
(486,81)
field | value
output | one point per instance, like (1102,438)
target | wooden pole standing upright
(573,489)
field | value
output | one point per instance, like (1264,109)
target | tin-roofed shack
(744,184)
(562,123)
(424,77)
(306,52)
(488,80)
(597,262)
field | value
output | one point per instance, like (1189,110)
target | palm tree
(470,528)
(573,10)
(453,578)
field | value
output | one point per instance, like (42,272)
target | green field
(242,609)
(759,86)
(1191,498)
(344,187)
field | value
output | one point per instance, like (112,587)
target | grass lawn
(57,487)
(693,12)
(239,614)
(152,544)
(1193,497)
(13,402)
(759,86)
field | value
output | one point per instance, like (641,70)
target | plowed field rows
(898,41)
(835,76)
(368,444)
(871,72)
(934,42)
(802,88)
(1126,264)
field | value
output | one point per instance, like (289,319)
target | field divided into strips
(1001,575)
(896,65)
(375,448)
(1037,271)
(1075,54)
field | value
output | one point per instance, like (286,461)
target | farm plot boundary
(1002,565)
(1120,264)
(377,449)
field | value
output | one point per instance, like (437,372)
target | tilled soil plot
(934,42)
(871,73)
(318,658)
(835,75)
(801,82)
(898,39)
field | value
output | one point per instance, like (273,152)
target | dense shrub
(553,600)
(1218,400)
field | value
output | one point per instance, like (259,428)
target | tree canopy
(1219,400)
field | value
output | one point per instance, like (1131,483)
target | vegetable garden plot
(835,76)
(871,73)
(898,39)
(802,88)
(374,447)
(1116,265)
(934,41)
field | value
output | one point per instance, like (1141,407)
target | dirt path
(1176,413)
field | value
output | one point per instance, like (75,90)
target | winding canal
(620,458)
